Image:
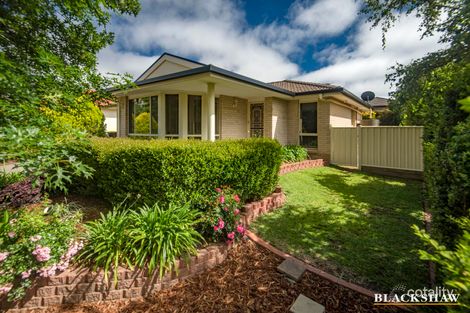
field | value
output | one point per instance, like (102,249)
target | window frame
(135,100)
(302,134)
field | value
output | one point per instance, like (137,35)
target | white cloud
(326,17)
(363,64)
(216,32)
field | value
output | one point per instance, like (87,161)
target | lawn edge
(364,291)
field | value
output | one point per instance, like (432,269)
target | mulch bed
(246,282)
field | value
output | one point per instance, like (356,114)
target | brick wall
(292,167)
(323,130)
(254,209)
(83,285)
(233,117)
(293,122)
(123,119)
(267,117)
(279,120)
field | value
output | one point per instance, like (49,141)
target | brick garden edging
(254,209)
(291,167)
(84,285)
(310,268)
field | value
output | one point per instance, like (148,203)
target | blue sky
(321,41)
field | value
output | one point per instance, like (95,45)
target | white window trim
(150,124)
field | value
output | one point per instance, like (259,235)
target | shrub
(161,235)
(151,236)
(177,171)
(84,115)
(222,217)
(35,243)
(294,153)
(9,178)
(107,242)
(454,264)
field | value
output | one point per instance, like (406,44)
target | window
(308,125)
(143,116)
(172,116)
(194,116)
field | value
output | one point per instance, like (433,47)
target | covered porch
(207,106)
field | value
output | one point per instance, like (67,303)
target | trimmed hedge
(168,171)
(294,153)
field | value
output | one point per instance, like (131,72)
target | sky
(323,41)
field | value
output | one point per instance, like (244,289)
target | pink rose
(12,234)
(225,209)
(35,238)
(222,199)
(236,211)
(240,229)
(236,198)
(26,274)
(42,254)
(5,289)
(216,228)
(231,235)
(218,190)
(3,256)
(221,224)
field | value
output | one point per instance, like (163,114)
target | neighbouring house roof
(379,102)
(299,87)
(287,87)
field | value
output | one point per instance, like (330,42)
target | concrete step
(306,305)
(292,269)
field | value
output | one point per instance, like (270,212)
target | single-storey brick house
(180,98)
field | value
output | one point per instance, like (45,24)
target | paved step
(292,268)
(306,305)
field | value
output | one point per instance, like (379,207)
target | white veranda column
(211,110)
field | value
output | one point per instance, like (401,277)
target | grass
(353,225)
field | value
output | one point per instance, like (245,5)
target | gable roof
(287,87)
(183,62)
(299,87)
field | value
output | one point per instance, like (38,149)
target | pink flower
(229,242)
(42,254)
(216,228)
(236,198)
(3,256)
(231,235)
(225,209)
(240,229)
(221,224)
(35,238)
(12,234)
(222,199)
(218,190)
(5,289)
(26,274)
(236,211)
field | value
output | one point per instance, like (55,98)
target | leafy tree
(427,93)
(47,68)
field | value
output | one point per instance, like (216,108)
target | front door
(256,120)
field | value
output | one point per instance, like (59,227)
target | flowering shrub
(222,221)
(35,243)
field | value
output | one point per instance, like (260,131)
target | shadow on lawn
(358,229)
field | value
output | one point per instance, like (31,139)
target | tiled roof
(304,87)
(379,102)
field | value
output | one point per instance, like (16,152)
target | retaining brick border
(319,272)
(254,209)
(84,285)
(291,167)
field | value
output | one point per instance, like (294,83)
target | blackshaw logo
(400,296)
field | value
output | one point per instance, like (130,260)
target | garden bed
(246,282)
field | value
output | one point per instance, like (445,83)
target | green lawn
(353,225)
